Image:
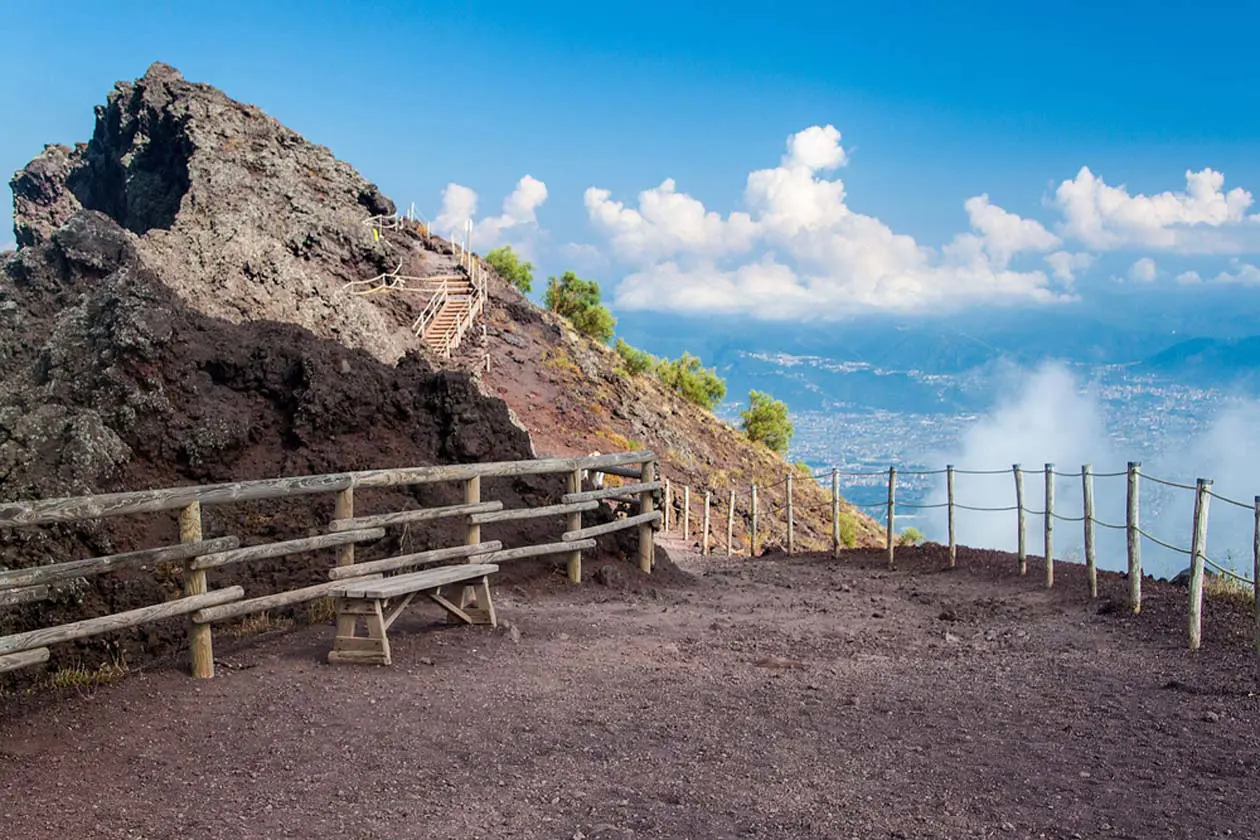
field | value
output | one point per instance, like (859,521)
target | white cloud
(1202,219)
(1064,266)
(1143,271)
(582,256)
(519,217)
(1189,278)
(1244,274)
(804,252)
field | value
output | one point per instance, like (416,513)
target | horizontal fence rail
(202,606)
(685,506)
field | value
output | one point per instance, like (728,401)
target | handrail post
(752,538)
(704,544)
(1087,515)
(573,483)
(791,519)
(1133,537)
(953,537)
(647,504)
(730,526)
(1049,526)
(669,505)
(1255,573)
(1198,554)
(686,512)
(1021,519)
(200,640)
(892,509)
(343,508)
(835,512)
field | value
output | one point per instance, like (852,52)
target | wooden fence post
(1087,503)
(573,484)
(752,537)
(949,494)
(647,504)
(892,508)
(1022,520)
(343,508)
(835,512)
(669,506)
(1133,538)
(1255,573)
(1049,526)
(200,640)
(704,544)
(687,512)
(791,519)
(730,526)
(1198,549)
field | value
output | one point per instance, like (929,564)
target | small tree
(511,268)
(766,421)
(578,300)
(689,377)
(636,361)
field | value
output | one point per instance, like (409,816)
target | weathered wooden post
(892,510)
(1021,518)
(730,526)
(704,544)
(752,537)
(1087,501)
(1049,526)
(669,506)
(647,504)
(949,496)
(1255,573)
(835,512)
(687,512)
(1133,537)
(343,508)
(200,640)
(791,519)
(573,484)
(1198,553)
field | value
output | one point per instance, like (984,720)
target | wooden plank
(414,582)
(384,520)
(647,539)
(515,514)
(624,472)
(609,527)
(573,562)
(435,555)
(25,659)
(282,549)
(117,621)
(99,565)
(537,551)
(270,602)
(200,637)
(47,511)
(25,595)
(604,493)
(343,508)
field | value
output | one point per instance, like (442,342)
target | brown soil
(782,698)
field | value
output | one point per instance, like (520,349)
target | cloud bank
(516,225)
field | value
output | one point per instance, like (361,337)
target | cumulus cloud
(799,250)
(1189,278)
(519,219)
(1203,218)
(1064,266)
(1143,271)
(1242,274)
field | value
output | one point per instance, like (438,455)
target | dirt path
(801,698)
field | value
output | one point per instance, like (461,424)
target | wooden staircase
(456,304)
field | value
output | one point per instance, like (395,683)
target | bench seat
(378,603)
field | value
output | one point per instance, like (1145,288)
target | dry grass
(321,610)
(82,678)
(259,623)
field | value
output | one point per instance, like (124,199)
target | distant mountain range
(1211,361)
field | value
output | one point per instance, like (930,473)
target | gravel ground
(781,698)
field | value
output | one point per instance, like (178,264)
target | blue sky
(934,105)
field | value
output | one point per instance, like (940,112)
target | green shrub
(766,421)
(689,377)
(511,268)
(636,361)
(910,536)
(578,301)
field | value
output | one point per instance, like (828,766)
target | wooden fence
(196,555)
(680,522)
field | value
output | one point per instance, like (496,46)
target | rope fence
(768,508)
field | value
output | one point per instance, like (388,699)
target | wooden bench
(380,602)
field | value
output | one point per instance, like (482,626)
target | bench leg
(349,646)
(483,613)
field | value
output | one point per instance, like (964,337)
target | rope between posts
(987,472)
(1109,525)
(1169,483)
(921,507)
(1168,546)
(986,509)
(1222,570)
(1065,475)
(1068,518)
(1230,501)
(1109,475)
